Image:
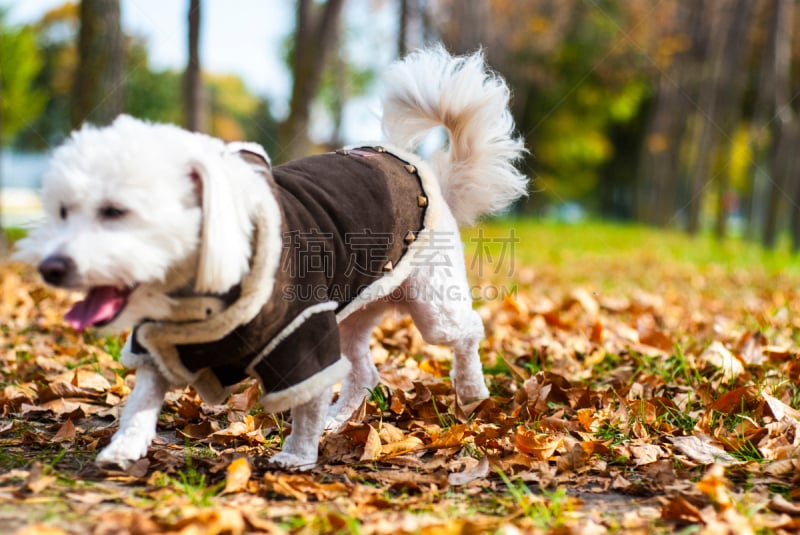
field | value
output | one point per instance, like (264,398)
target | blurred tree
(98,92)
(232,106)
(785,134)
(56,36)
(149,94)
(314,38)
(720,102)
(414,25)
(660,193)
(20,102)
(575,73)
(193,97)
(20,64)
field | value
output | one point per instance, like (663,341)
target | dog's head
(135,210)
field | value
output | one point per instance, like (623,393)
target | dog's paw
(469,393)
(121,454)
(335,422)
(292,462)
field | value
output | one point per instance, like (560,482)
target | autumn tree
(20,102)
(315,34)
(727,23)
(785,129)
(194,105)
(98,91)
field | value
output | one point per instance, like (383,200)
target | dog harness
(351,222)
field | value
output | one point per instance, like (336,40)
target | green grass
(596,243)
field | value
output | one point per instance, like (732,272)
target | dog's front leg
(137,426)
(301,447)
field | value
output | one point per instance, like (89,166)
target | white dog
(225,267)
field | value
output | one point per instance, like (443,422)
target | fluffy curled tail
(431,88)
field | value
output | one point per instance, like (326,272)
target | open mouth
(100,307)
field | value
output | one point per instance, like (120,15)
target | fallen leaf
(718,356)
(219,521)
(700,448)
(401,447)
(245,400)
(646,454)
(541,446)
(741,398)
(781,410)
(715,485)
(372,446)
(37,481)
(680,509)
(451,437)
(237,475)
(479,470)
(66,432)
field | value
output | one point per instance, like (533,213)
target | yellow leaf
(400,447)
(539,445)
(237,475)
(372,448)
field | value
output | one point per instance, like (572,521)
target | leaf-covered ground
(641,383)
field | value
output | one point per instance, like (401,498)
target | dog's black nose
(56,269)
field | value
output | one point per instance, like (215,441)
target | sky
(244,37)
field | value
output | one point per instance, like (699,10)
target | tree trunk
(98,90)
(786,136)
(193,95)
(402,31)
(730,95)
(762,112)
(314,37)
(720,21)
(471,21)
(659,183)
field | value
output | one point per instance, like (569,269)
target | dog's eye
(62,212)
(111,212)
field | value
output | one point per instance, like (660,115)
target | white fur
(193,208)
(137,424)
(430,88)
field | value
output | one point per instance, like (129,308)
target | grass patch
(501,246)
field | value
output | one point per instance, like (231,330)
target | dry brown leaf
(715,485)
(741,398)
(301,487)
(646,454)
(680,509)
(40,529)
(781,410)
(372,446)
(719,357)
(701,449)
(401,447)
(479,470)
(218,521)
(237,475)
(37,481)
(90,380)
(451,437)
(540,446)
(245,400)
(66,433)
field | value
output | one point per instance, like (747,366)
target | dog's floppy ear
(227,228)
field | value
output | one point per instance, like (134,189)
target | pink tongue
(101,305)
